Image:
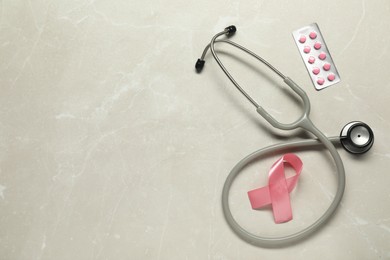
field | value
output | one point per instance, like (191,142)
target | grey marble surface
(112,147)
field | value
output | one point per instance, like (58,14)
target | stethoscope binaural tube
(303,122)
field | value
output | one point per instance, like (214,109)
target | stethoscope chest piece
(357,137)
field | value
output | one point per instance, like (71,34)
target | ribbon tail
(259,198)
(281,205)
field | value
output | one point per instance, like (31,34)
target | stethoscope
(356,137)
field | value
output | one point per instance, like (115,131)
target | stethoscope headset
(356,137)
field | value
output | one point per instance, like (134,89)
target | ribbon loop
(278,189)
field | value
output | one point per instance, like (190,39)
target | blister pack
(316,56)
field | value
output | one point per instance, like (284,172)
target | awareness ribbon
(278,189)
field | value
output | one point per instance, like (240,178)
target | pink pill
(317,45)
(306,49)
(302,39)
(311,60)
(316,71)
(320,81)
(322,56)
(326,66)
(313,35)
(331,77)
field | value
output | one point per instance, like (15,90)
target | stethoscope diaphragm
(357,137)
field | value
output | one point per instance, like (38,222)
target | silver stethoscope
(356,137)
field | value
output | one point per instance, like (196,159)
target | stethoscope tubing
(292,238)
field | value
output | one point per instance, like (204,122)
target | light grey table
(112,147)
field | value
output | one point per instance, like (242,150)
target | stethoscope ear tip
(230,30)
(357,137)
(199,65)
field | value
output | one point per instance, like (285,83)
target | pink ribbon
(278,189)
